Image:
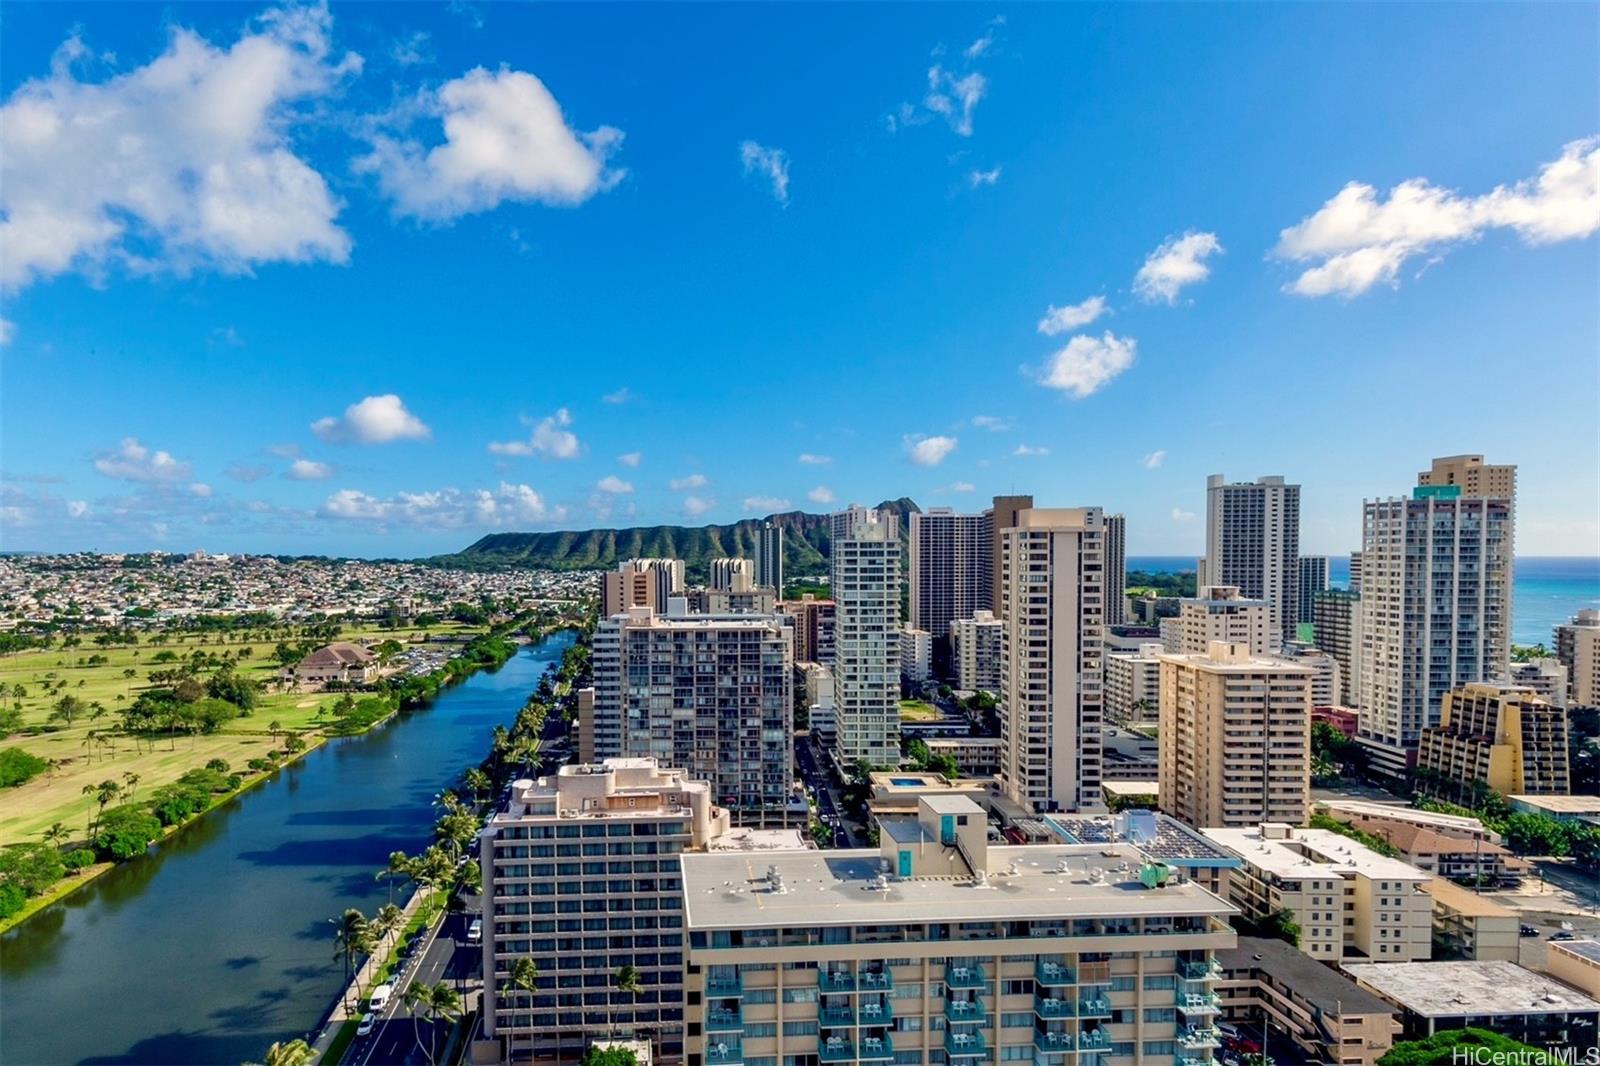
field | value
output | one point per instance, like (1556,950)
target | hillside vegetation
(805,545)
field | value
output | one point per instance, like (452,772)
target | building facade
(814,623)
(1234,742)
(1001,515)
(1222,612)
(769,556)
(1578,647)
(1336,615)
(916,655)
(1546,677)
(950,559)
(865,576)
(1051,675)
(975,652)
(732,575)
(1504,736)
(1253,543)
(1313,579)
(1133,685)
(640,583)
(1116,569)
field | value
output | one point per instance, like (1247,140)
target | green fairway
(917,711)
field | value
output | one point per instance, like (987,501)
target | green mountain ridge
(805,545)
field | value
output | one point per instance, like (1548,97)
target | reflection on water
(219,943)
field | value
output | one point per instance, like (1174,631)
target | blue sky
(375,280)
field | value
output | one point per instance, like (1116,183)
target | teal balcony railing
(724,987)
(965,1045)
(1053,1043)
(964,975)
(835,1049)
(875,1049)
(964,1010)
(836,1015)
(724,1053)
(1053,974)
(1052,1009)
(836,981)
(722,1020)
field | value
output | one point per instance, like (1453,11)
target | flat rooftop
(1369,809)
(1336,855)
(730,891)
(1455,989)
(1465,901)
(1174,842)
(1326,989)
(1584,949)
(745,839)
(1130,788)
(1561,804)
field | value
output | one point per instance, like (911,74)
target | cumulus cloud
(821,494)
(1088,363)
(133,461)
(1058,320)
(815,460)
(631,458)
(448,508)
(505,139)
(200,489)
(765,504)
(770,163)
(955,98)
(1153,460)
(1357,239)
(1180,515)
(978,178)
(411,50)
(1176,263)
(1027,450)
(374,420)
(993,423)
(185,162)
(77,508)
(928,451)
(309,470)
(8,331)
(695,506)
(551,438)
(613,484)
(693,481)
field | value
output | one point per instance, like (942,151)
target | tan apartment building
(1349,901)
(1469,926)
(1577,962)
(937,947)
(1504,736)
(1133,685)
(1473,475)
(1578,648)
(977,756)
(813,621)
(975,652)
(640,583)
(1221,612)
(1234,740)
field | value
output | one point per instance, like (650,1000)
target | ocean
(1548,589)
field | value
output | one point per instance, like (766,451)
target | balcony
(1053,1043)
(1198,1039)
(876,981)
(1053,1009)
(1094,1040)
(1093,1003)
(720,1020)
(876,1049)
(964,1010)
(1053,974)
(724,987)
(836,981)
(964,975)
(724,1053)
(876,1013)
(965,1045)
(1194,1005)
(1202,970)
(835,1049)
(836,1015)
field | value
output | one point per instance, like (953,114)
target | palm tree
(388,921)
(478,782)
(400,866)
(103,793)
(436,1001)
(523,977)
(130,782)
(626,979)
(353,938)
(56,835)
(293,1053)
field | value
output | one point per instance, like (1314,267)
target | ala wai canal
(218,943)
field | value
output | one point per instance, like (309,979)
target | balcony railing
(724,1053)
(964,975)
(873,1012)
(1193,1004)
(836,1014)
(964,1010)
(965,1045)
(1201,970)
(1195,1039)
(875,1049)
(1053,1043)
(1052,1009)
(875,981)
(1053,974)
(835,1049)
(724,987)
(836,981)
(1093,1005)
(724,1021)
(1094,1040)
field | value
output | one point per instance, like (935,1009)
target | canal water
(220,943)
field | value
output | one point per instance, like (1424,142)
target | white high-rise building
(1253,543)
(733,575)
(1313,579)
(769,556)
(1116,569)
(916,655)
(1222,612)
(975,652)
(950,556)
(865,577)
(1578,647)
(1133,685)
(1052,699)
(1435,610)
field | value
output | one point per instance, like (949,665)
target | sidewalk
(350,994)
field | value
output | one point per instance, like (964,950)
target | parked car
(380,998)
(1562,935)
(368,1020)
(1529,930)
(475,931)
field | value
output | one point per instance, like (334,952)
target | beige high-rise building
(1001,515)
(975,652)
(814,625)
(1578,648)
(1474,476)
(950,559)
(1222,612)
(1133,685)
(1052,675)
(732,575)
(640,583)
(1502,735)
(1253,543)
(864,573)
(1234,738)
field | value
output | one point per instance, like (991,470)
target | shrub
(12,900)
(219,765)
(77,859)
(207,779)
(18,766)
(260,765)
(125,831)
(31,867)
(173,803)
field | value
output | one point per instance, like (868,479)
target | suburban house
(340,662)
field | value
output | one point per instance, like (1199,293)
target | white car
(475,931)
(367,1022)
(380,998)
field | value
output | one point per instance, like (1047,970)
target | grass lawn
(57,795)
(917,711)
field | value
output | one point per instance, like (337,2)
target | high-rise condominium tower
(865,577)
(950,559)
(640,583)
(1313,579)
(1578,647)
(733,575)
(1253,543)
(1052,565)
(1435,609)
(1116,569)
(1002,515)
(769,556)
(1473,476)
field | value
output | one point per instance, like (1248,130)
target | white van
(475,931)
(380,998)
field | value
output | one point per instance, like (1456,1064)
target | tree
(478,781)
(18,767)
(626,979)
(66,709)
(1456,1045)
(56,835)
(130,783)
(388,921)
(436,1001)
(125,831)
(352,939)
(594,1055)
(292,1053)
(523,977)
(103,793)
(400,868)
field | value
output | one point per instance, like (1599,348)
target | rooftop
(727,891)
(1172,841)
(1454,989)
(1311,853)
(1465,901)
(1458,822)
(1561,804)
(1324,988)
(746,839)
(1584,949)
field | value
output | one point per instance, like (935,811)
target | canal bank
(219,943)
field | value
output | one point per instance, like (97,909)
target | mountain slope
(805,545)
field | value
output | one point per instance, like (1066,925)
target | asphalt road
(810,762)
(445,957)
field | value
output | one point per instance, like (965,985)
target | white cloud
(693,481)
(374,420)
(1180,515)
(1026,450)
(815,460)
(980,46)
(1179,261)
(182,163)
(551,438)
(767,504)
(631,458)
(955,98)
(77,508)
(821,494)
(448,508)
(309,470)
(961,486)
(200,489)
(613,484)
(1088,363)
(770,163)
(411,50)
(993,423)
(695,506)
(132,461)
(928,451)
(977,178)
(622,395)
(8,331)
(1357,240)
(1153,460)
(1062,319)
(505,139)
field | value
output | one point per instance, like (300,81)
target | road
(444,956)
(811,763)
